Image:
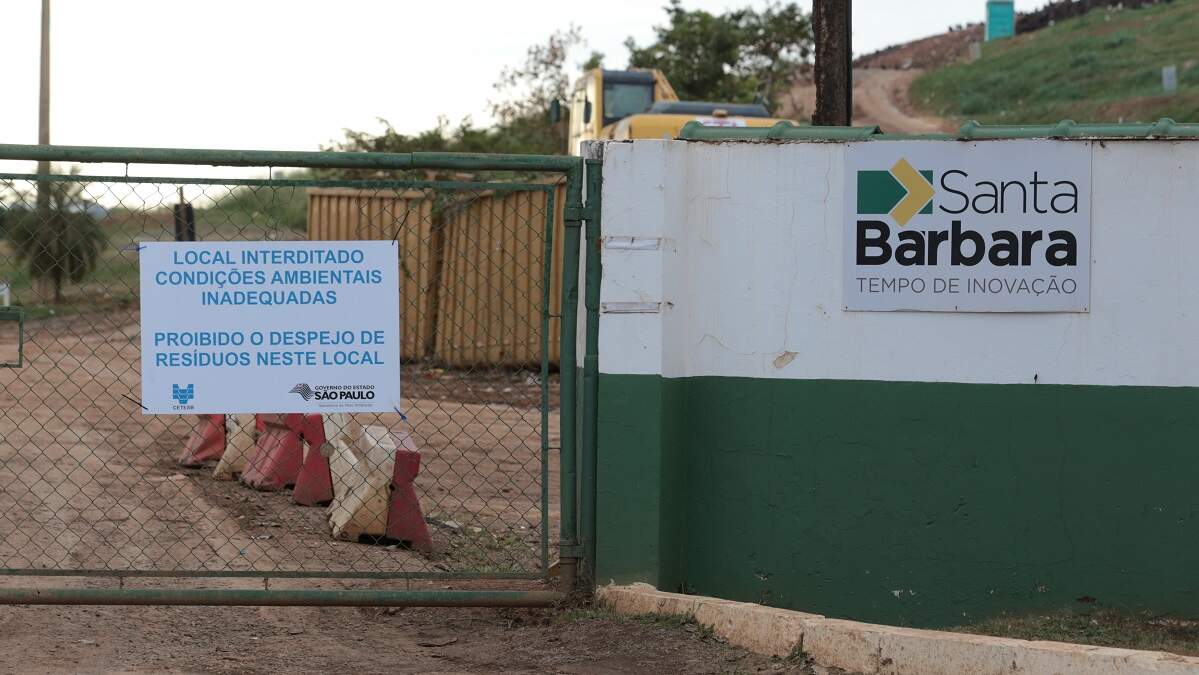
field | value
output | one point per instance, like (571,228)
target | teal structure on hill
(1001,19)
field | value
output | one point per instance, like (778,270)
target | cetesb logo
(303,390)
(183,394)
(900,193)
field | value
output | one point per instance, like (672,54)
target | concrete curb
(886,650)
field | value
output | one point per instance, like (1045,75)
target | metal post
(380,161)
(569,552)
(831,24)
(547,269)
(177,212)
(591,301)
(279,598)
(43,110)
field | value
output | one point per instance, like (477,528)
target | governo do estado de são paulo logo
(336,392)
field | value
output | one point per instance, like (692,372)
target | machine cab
(601,98)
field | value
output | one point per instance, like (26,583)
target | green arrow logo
(900,193)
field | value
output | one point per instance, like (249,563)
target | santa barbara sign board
(968,227)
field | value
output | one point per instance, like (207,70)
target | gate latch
(12,337)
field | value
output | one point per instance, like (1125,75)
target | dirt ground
(934,51)
(880,96)
(312,640)
(88,482)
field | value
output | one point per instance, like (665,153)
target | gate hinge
(570,551)
(580,213)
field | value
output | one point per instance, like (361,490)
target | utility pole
(831,25)
(43,108)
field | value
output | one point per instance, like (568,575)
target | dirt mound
(1068,9)
(926,53)
(880,96)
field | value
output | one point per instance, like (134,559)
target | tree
(777,41)
(60,243)
(735,56)
(698,52)
(522,124)
(526,91)
(595,60)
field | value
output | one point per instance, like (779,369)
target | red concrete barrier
(314,484)
(373,473)
(206,443)
(405,522)
(276,462)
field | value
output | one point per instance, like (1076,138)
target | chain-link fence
(461,482)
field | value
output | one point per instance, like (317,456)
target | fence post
(437,250)
(569,552)
(831,23)
(185,219)
(594,153)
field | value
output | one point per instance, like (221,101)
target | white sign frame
(270,327)
(1034,179)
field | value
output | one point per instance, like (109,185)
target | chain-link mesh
(89,482)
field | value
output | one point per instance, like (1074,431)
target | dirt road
(880,96)
(309,640)
(88,482)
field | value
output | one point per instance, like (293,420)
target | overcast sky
(290,74)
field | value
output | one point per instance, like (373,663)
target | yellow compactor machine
(626,104)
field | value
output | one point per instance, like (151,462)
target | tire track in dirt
(880,96)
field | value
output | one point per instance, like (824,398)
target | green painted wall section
(640,491)
(904,503)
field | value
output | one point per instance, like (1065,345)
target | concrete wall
(760,443)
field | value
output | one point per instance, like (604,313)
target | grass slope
(1102,67)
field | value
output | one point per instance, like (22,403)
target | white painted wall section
(749,275)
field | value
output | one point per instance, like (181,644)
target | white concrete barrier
(887,650)
(239,446)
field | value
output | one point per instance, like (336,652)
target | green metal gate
(90,487)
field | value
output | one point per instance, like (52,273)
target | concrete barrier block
(1061,657)
(372,470)
(765,630)
(843,644)
(640,599)
(206,442)
(887,650)
(908,651)
(760,629)
(1162,663)
(239,430)
(314,484)
(361,465)
(276,462)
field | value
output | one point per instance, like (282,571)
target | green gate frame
(576,562)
